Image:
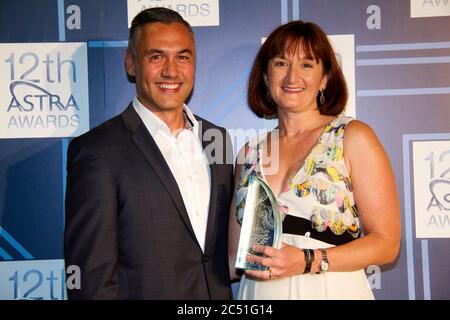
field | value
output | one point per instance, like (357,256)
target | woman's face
(294,81)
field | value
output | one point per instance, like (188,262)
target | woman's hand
(284,262)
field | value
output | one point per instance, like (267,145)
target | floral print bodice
(321,191)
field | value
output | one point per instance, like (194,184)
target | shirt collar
(155,124)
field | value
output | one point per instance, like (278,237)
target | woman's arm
(376,198)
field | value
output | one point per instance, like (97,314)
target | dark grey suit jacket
(126,224)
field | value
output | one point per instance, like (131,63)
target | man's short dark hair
(153,15)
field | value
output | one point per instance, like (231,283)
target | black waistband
(300,226)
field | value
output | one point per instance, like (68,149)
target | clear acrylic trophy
(261,224)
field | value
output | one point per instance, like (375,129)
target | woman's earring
(322,97)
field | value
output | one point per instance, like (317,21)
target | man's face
(163,65)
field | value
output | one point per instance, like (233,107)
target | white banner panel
(197,12)
(44,90)
(344,48)
(33,280)
(430,8)
(431,161)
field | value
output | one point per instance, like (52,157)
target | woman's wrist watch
(323,265)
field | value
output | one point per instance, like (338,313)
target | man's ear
(129,63)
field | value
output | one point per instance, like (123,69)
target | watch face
(323,265)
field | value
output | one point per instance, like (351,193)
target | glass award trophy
(261,223)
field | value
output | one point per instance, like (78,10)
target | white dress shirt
(185,157)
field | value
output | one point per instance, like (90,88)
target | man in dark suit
(147,195)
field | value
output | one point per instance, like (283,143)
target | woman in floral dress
(330,174)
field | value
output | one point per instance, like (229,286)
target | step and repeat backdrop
(62,73)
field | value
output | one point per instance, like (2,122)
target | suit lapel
(212,212)
(147,145)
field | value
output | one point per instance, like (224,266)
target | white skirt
(324,286)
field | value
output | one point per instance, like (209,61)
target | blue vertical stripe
(64,145)
(15,244)
(61,25)
(408,220)
(284,11)
(295,10)
(426,271)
